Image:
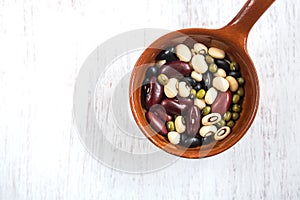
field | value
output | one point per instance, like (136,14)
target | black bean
(168,55)
(223,64)
(192,82)
(235,74)
(207,140)
(207,77)
(152,71)
(190,142)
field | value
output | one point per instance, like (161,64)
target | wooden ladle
(233,40)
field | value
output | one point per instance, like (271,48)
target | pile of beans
(192,96)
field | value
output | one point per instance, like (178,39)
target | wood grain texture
(43,45)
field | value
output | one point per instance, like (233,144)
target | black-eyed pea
(207,130)
(222,133)
(211,119)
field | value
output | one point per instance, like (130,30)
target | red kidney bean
(221,103)
(161,112)
(193,118)
(156,123)
(172,107)
(176,69)
(154,93)
(186,101)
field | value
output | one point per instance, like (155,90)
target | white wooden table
(43,46)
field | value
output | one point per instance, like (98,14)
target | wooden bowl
(233,40)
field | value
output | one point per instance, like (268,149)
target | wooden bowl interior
(209,38)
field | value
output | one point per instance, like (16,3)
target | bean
(172,107)
(186,101)
(234,66)
(222,133)
(240,91)
(200,103)
(220,84)
(183,52)
(223,65)
(168,54)
(161,112)
(207,130)
(196,76)
(213,68)
(193,120)
(199,64)
(184,89)
(236,108)
(211,95)
(211,119)
(230,124)
(235,116)
(193,93)
(235,98)
(179,124)
(154,93)
(207,77)
(221,123)
(190,142)
(227,116)
(162,79)
(176,69)
(209,59)
(233,84)
(241,81)
(170,89)
(192,82)
(170,126)
(156,123)
(208,139)
(174,137)
(160,63)
(151,71)
(220,72)
(222,102)
(200,94)
(235,74)
(144,90)
(200,85)
(198,47)
(216,52)
(206,110)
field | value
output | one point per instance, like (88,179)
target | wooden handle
(242,23)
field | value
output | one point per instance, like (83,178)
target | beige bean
(199,64)
(183,52)
(197,76)
(233,84)
(179,126)
(174,137)
(216,53)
